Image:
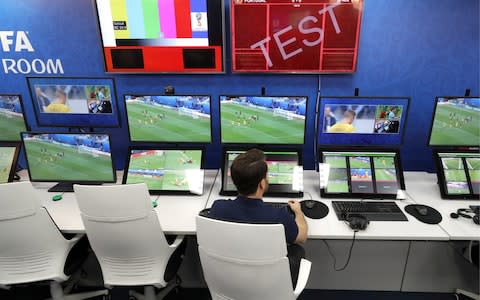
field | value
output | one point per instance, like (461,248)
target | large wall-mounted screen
(295,36)
(162,36)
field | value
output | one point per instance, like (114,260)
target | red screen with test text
(304,36)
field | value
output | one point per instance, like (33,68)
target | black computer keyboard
(373,211)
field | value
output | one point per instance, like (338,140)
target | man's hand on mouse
(295,206)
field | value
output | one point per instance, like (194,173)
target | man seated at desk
(249,174)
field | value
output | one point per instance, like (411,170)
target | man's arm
(300,220)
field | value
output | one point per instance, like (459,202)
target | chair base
(58,293)
(149,292)
(467,294)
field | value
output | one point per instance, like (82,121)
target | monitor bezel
(376,196)
(166,142)
(224,44)
(319,123)
(17,146)
(37,112)
(27,127)
(451,147)
(263,144)
(114,173)
(442,182)
(169,147)
(292,72)
(224,171)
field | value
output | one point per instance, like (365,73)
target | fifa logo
(16,40)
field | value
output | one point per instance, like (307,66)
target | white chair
(32,249)
(126,236)
(247,261)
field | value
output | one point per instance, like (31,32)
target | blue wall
(407,48)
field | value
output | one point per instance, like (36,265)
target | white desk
(331,228)
(175,213)
(423,188)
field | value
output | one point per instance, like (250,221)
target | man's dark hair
(247,170)
(352,113)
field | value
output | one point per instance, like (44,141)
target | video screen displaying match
(162,36)
(68,157)
(11,118)
(282,169)
(169,118)
(73,99)
(262,120)
(7,156)
(164,170)
(361,173)
(455,122)
(296,36)
(359,121)
(461,173)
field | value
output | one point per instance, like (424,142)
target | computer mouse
(57,198)
(154,204)
(309,204)
(423,211)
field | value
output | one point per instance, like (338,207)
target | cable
(309,195)
(349,254)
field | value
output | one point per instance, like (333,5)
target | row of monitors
(244,119)
(187,36)
(84,158)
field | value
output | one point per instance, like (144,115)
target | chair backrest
(125,234)
(244,261)
(31,246)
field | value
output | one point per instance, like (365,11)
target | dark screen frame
(452,147)
(27,127)
(319,123)
(37,112)
(442,181)
(275,190)
(168,147)
(263,143)
(218,12)
(378,196)
(114,173)
(166,142)
(16,145)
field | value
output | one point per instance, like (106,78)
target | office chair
(126,236)
(247,261)
(32,249)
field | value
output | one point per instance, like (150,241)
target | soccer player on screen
(59,103)
(345,125)
(329,119)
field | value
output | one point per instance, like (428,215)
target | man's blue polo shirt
(249,210)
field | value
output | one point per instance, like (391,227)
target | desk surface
(175,213)
(331,228)
(423,188)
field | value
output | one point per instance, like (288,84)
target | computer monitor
(169,119)
(361,120)
(285,173)
(74,102)
(362,173)
(455,122)
(8,160)
(263,120)
(164,36)
(166,171)
(12,121)
(458,174)
(69,158)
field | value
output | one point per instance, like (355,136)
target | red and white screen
(305,36)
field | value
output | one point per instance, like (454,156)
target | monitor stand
(67,187)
